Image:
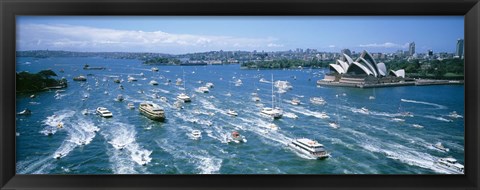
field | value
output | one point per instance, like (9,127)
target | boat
(59,91)
(178,104)
(104,112)
(131,79)
(209,85)
(85,112)
(154,69)
(232,112)
(285,85)
(406,114)
(131,106)
(238,82)
(32,96)
(26,111)
(323,115)
(144,160)
(274,112)
(58,155)
(119,98)
(196,134)
(295,101)
(309,147)
(236,137)
(263,80)
(364,110)
(203,89)
(440,147)
(334,124)
(116,81)
(272,127)
(183,97)
(454,114)
(118,146)
(164,99)
(178,82)
(256,99)
(417,126)
(450,164)
(80,78)
(153,82)
(398,119)
(152,111)
(318,100)
(371,97)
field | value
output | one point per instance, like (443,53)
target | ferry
(276,113)
(440,147)
(152,111)
(455,115)
(153,82)
(104,112)
(450,164)
(236,137)
(309,147)
(196,134)
(232,112)
(183,97)
(209,85)
(295,101)
(317,100)
(80,78)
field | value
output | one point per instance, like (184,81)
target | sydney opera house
(363,71)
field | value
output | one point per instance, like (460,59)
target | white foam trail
(308,112)
(41,166)
(425,103)
(437,118)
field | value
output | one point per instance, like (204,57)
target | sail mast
(272,93)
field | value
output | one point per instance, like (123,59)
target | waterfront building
(459,50)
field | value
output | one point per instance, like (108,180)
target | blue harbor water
(380,142)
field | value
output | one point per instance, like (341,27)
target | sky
(189,34)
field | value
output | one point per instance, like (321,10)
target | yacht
(153,82)
(203,89)
(454,114)
(236,137)
(131,105)
(450,164)
(440,147)
(131,79)
(295,101)
(283,85)
(154,69)
(309,147)
(119,98)
(232,113)
(317,100)
(104,112)
(26,111)
(196,134)
(209,85)
(80,78)
(183,97)
(276,113)
(152,111)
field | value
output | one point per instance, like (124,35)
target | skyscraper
(459,52)
(411,48)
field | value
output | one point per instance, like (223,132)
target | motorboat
(58,155)
(371,97)
(232,112)
(440,147)
(104,112)
(118,146)
(183,97)
(80,78)
(26,111)
(154,69)
(164,99)
(196,134)
(264,80)
(256,99)
(144,160)
(116,81)
(318,100)
(178,82)
(398,119)
(209,85)
(153,82)
(152,111)
(85,112)
(417,126)
(119,98)
(203,89)
(275,113)
(323,115)
(454,114)
(364,110)
(131,79)
(120,87)
(285,85)
(309,147)
(131,106)
(236,137)
(178,104)
(334,125)
(238,82)
(295,101)
(450,164)
(406,114)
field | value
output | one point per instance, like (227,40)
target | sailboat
(274,112)
(372,97)
(334,124)
(183,96)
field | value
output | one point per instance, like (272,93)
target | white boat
(274,112)
(417,126)
(152,111)
(118,146)
(256,99)
(371,97)
(104,112)
(154,69)
(203,89)
(163,99)
(119,98)
(209,85)
(238,82)
(264,81)
(309,147)
(455,115)
(450,164)
(178,82)
(131,105)
(85,112)
(285,85)
(144,160)
(153,82)
(295,101)
(80,78)
(58,155)
(178,104)
(196,134)
(364,110)
(183,97)
(398,119)
(317,100)
(440,147)
(334,125)
(26,111)
(323,115)
(131,79)
(232,112)
(236,138)
(406,114)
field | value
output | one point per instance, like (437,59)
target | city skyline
(179,35)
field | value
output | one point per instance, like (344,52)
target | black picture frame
(9,9)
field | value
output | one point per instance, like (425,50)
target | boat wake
(438,106)
(437,118)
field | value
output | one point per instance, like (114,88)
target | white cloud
(385,45)
(82,38)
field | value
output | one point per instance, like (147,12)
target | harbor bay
(381,140)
